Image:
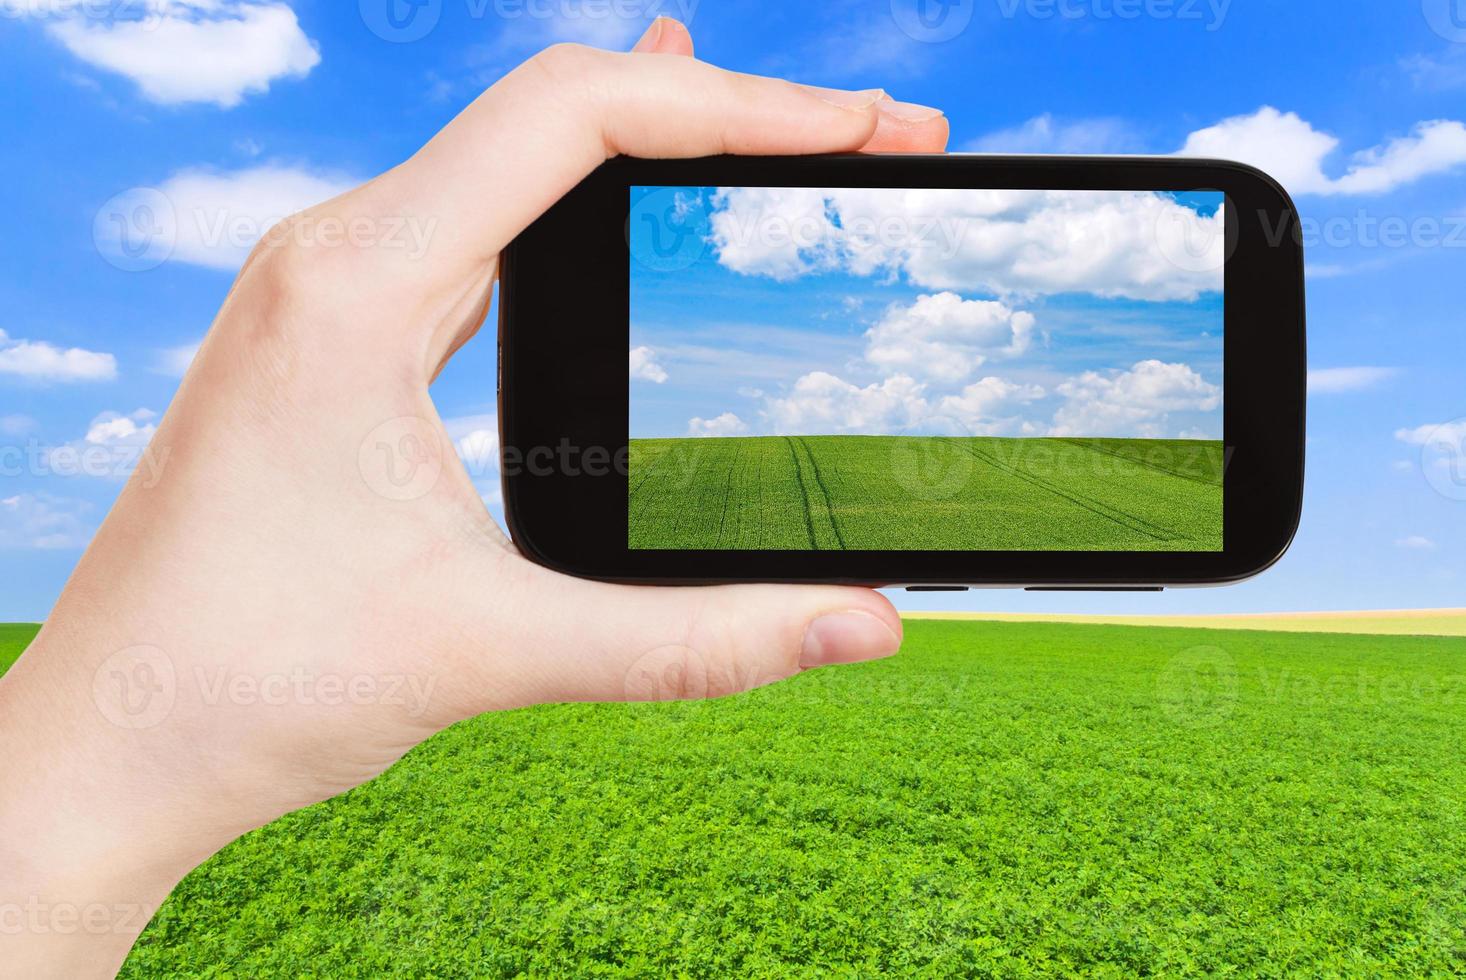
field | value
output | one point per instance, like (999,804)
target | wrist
(95,830)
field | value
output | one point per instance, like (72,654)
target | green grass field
(925,493)
(14,638)
(998,800)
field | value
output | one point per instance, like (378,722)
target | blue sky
(249,110)
(821,311)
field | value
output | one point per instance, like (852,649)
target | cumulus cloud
(115,445)
(1291,150)
(43,521)
(1045,134)
(1444,434)
(993,407)
(1416,542)
(726,424)
(945,337)
(38,360)
(1114,244)
(183,51)
(819,402)
(1134,403)
(644,366)
(1322,381)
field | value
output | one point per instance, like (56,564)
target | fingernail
(653,34)
(846,638)
(908,112)
(846,99)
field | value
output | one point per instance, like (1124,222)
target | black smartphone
(921,371)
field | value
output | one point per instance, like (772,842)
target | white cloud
(726,424)
(1332,380)
(16,425)
(1045,134)
(1130,244)
(945,337)
(1416,542)
(114,429)
(822,403)
(644,366)
(992,407)
(1134,403)
(213,219)
(43,521)
(1292,151)
(40,361)
(1445,436)
(183,51)
(174,361)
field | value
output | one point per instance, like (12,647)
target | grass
(999,800)
(925,493)
(14,638)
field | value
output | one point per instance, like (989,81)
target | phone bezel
(564,332)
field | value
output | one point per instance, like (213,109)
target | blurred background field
(1001,799)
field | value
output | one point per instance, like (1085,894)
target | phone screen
(936,370)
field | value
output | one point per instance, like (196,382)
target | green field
(925,493)
(14,638)
(998,800)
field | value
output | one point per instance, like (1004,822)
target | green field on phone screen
(925,493)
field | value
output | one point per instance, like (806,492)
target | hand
(267,623)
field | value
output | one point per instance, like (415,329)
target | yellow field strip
(1394,622)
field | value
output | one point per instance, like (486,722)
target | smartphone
(934,372)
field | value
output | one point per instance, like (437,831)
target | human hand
(273,621)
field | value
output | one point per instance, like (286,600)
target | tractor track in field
(1130,522)
(1081,444)
(824,493)
(803,493)
(727,492)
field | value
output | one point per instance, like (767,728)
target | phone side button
(936,588)
(1095,588)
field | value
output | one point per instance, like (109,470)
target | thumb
(576,640)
